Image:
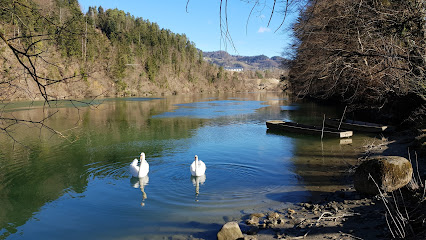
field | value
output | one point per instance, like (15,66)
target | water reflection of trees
(45,167)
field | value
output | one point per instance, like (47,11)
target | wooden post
(341,120)
(322,131)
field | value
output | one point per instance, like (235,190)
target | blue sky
(202,26)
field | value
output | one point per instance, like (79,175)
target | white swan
(197,168)
(141,170)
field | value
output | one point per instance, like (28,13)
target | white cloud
(263,29)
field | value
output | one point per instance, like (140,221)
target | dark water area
(80,187)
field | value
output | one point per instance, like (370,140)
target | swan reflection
(196,181)
(140,183)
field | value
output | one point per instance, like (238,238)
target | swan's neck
(140,172)
(140,165)
(196,162)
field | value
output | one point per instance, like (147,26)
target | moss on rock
(389,173)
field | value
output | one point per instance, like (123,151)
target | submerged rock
(389,173)
(230,231)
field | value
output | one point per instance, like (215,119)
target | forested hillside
(52,50)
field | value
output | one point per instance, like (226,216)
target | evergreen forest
(52,50)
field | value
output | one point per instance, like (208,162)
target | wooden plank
(309,129)
(357,125)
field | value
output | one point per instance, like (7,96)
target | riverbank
(345,214)
(98,84)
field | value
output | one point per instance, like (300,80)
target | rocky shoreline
(340,215)
(347,214)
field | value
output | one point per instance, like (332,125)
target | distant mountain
(260,62)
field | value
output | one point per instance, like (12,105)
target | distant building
(234,69)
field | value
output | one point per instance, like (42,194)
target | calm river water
(81,188)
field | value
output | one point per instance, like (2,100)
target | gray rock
(389,172)
(230,231)
(259,215)
(253,220)
(273,215)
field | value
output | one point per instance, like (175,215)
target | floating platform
(307,129)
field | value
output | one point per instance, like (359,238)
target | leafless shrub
(364,53)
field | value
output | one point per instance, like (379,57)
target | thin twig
(285,16)
(248,18)
(417,168)
(272,13)
(187,3)
(398,227)
(322,215)
(389,226)
(335,217)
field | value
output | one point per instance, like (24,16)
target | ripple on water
(19,169)
(174,186)
(106,169)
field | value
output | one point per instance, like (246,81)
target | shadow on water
(318,162)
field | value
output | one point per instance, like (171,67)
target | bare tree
(26,41)
(364,53)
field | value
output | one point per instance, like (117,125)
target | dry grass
(406,209)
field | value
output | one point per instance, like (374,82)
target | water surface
(79,187)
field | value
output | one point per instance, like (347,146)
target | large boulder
(389,172)
(230,231)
